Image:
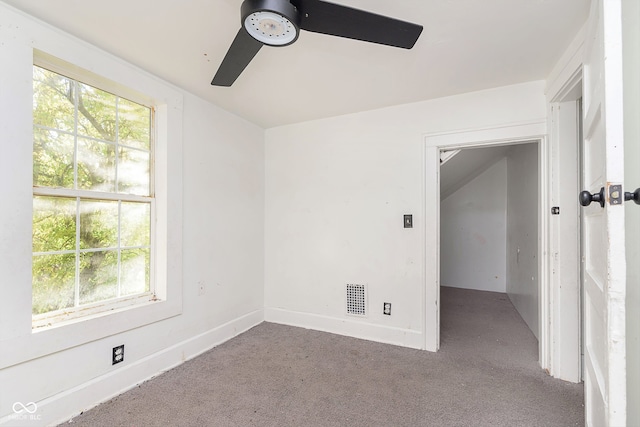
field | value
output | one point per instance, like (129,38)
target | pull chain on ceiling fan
(278,23)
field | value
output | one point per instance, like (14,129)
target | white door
(631,63)
(604,247)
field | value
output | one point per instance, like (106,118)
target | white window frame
(22,38)
(17,124)
(54,318)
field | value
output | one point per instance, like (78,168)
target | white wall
(522,232)
(220,200)
(473,232)
(336,192)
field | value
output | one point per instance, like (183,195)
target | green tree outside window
(92,156)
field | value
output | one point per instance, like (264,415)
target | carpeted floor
(485,374)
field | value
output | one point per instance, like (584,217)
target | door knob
(586,198)
(635,196)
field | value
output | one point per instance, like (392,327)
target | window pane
(96,165)
(53,282)
(96,113)
(52,158)
(53,100)
(98,276)
(134,271)
(98,224)
(133,172)
(88,139)
(54,224)
(134,124)
(135,223)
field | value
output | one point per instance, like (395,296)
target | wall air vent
(357,300)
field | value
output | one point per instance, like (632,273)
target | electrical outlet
(386,308)
(117,354)
(202,289)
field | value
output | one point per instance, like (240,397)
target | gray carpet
(485,374)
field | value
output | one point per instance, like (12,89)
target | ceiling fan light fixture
(278,23)
(272,22)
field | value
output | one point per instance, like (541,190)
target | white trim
(67,69)
(508,134)
(488,136)
(20,35)
(426,345)
(69,403)
(563,354)
(88,194)
(570,61)
(545,344)
(80,313)
(564,288)
(345,326)
(431,239)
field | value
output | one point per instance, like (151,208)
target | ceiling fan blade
(342,21)
(241,52)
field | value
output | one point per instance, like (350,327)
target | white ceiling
(466,45)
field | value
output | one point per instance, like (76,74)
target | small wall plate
(117,354)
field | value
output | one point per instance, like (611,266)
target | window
(93,199)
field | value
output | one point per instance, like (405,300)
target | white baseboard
(349,327)
(63,406)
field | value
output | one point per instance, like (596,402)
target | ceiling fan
(278,23)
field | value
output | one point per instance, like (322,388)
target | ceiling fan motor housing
(278,23)
(271,22)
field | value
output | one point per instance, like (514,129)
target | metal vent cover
(356,300)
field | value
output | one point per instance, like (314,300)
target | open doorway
(558,226)
(489,246)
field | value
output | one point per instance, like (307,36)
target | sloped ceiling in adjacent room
(464,165)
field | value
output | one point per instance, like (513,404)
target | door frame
(564,359)
(565,348)
(559,332)
(558,362)
(510,134)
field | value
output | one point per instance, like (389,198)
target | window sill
(72,333)
(79,314)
